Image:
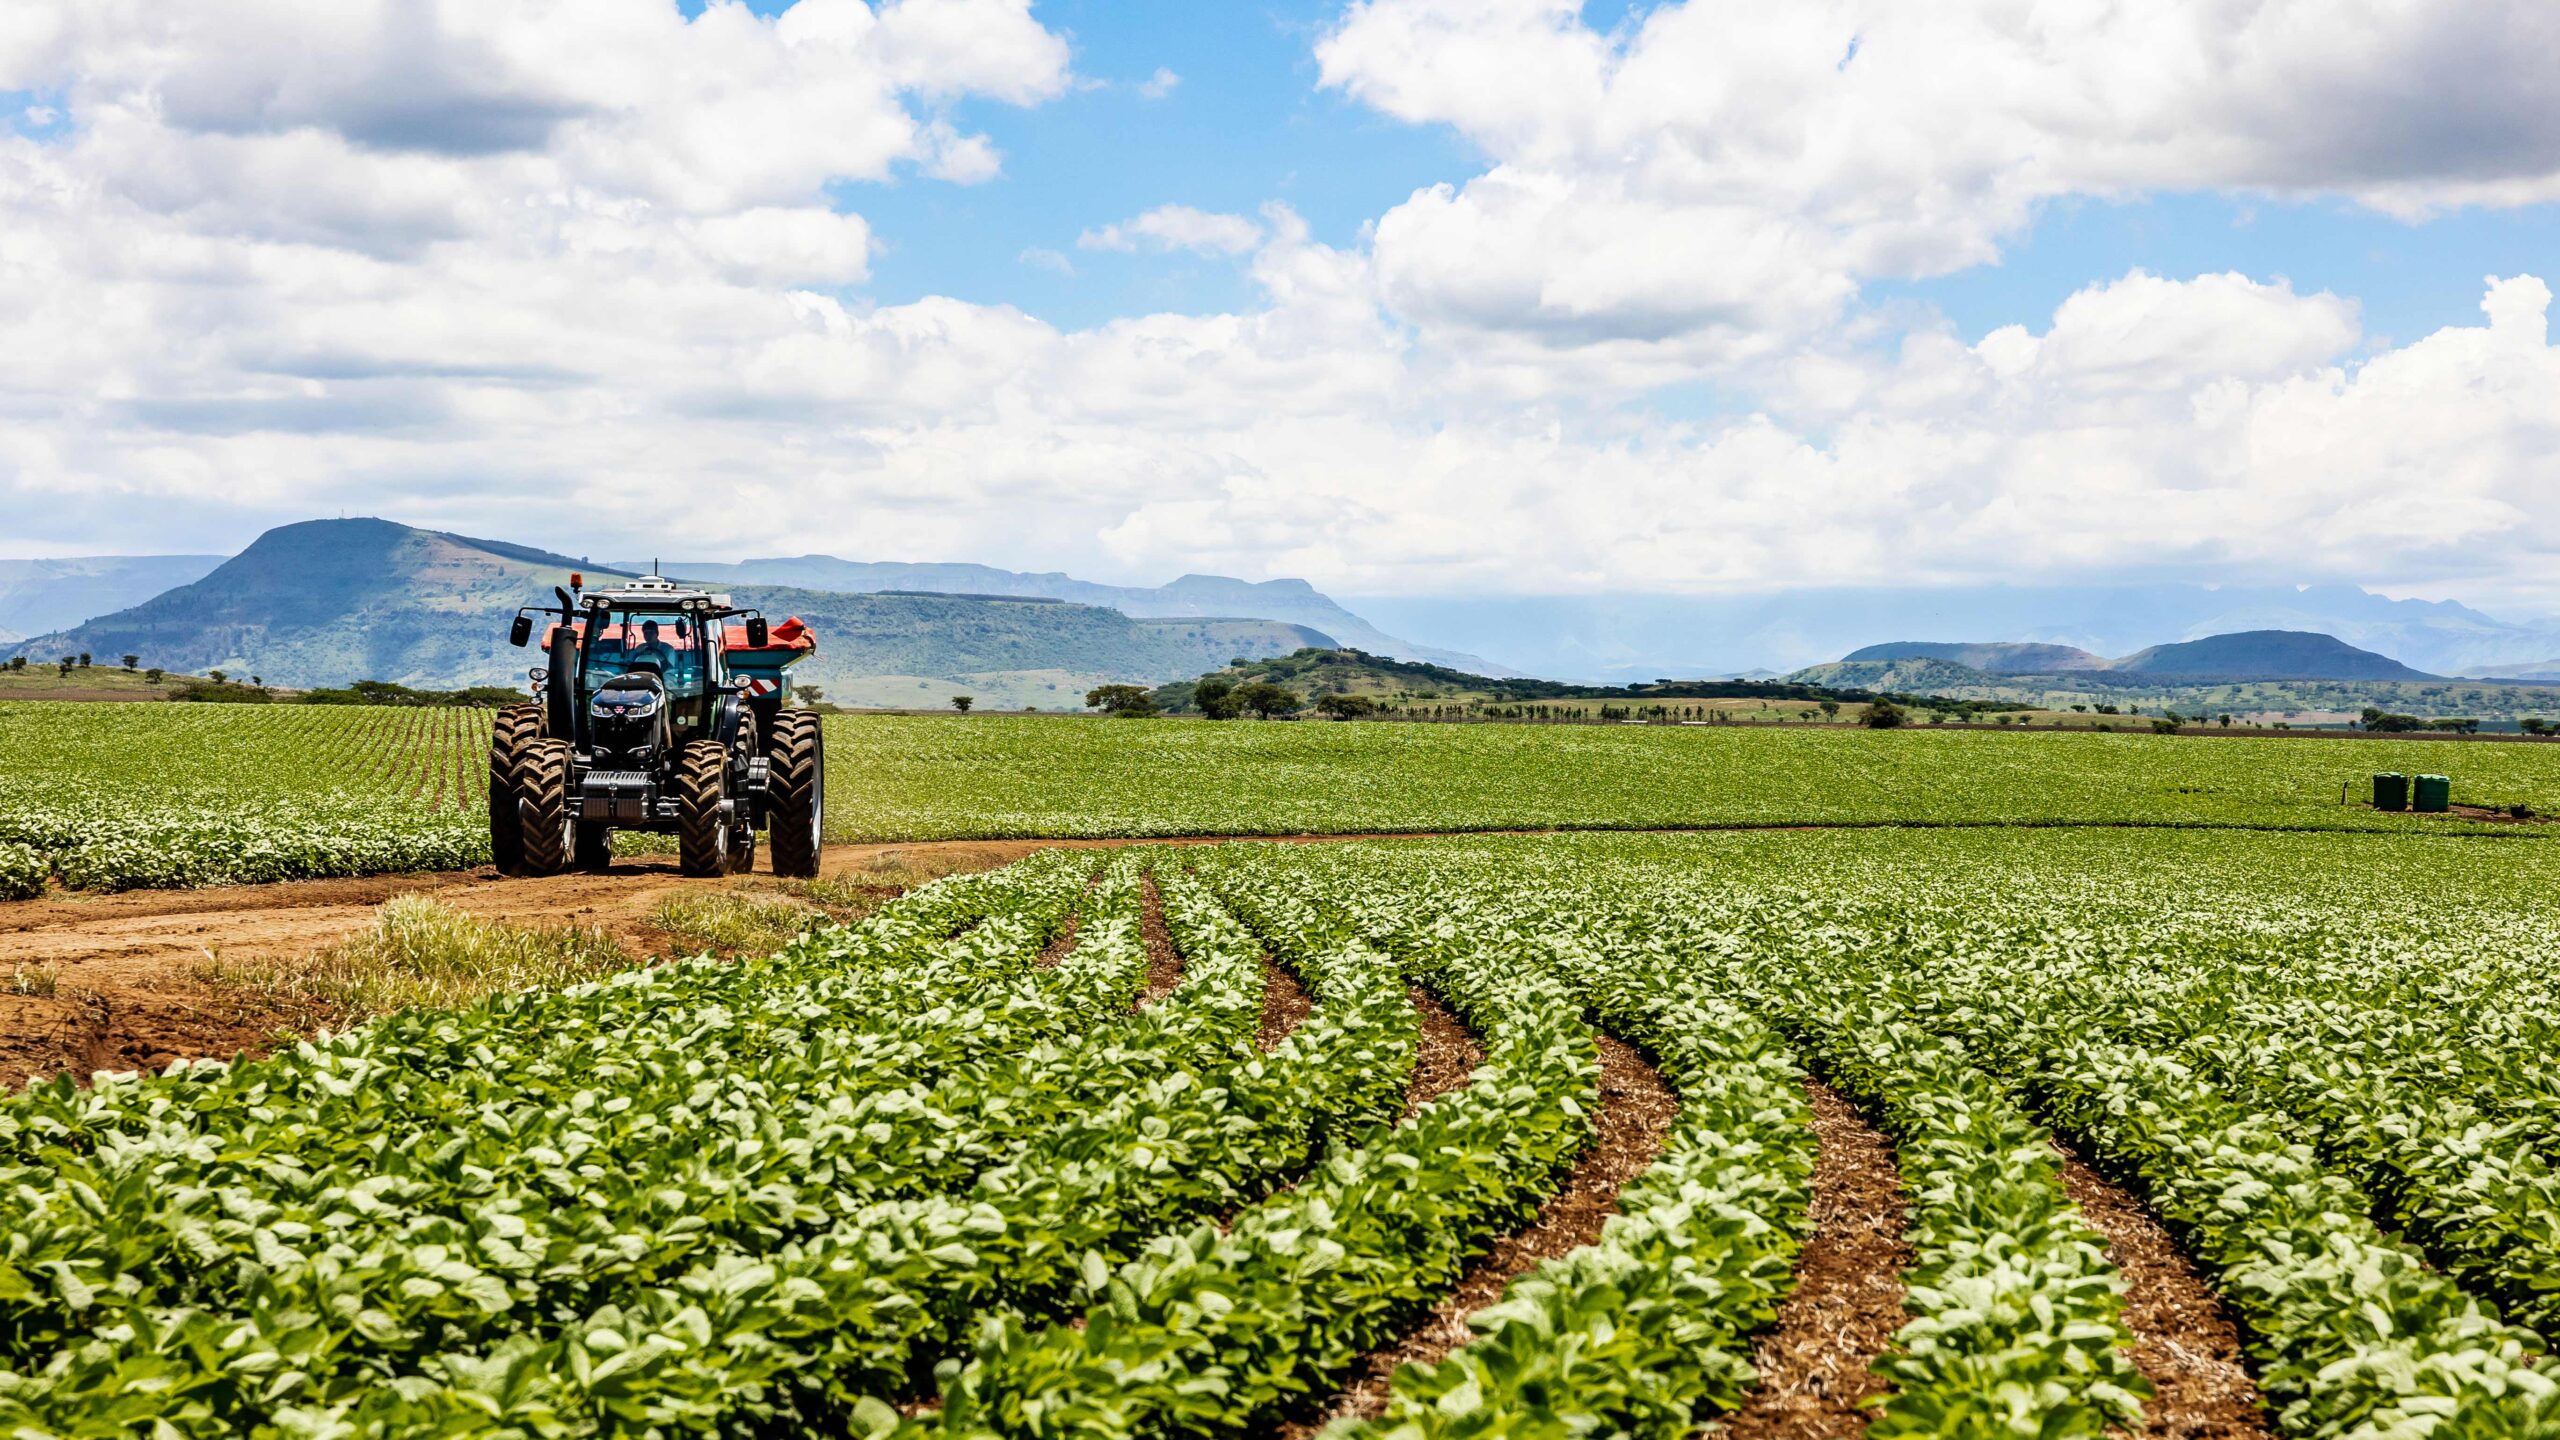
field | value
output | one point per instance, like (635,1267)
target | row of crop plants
(159,795)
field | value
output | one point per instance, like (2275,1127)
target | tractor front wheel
(703,846)
(795,792)
(513,726)
(542,800)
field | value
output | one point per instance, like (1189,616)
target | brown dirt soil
(1446,1056)
(1164,962)
(1061,945)
(1847,1302)
(1285,1004)
(1636,1110)
(122,967)
(2185,1342)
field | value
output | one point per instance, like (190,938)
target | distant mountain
(1991,658)
(2545,672)
(41,595)
(329,601)
(2262,655)
(1623,636)
(1191,597)
(1901,675)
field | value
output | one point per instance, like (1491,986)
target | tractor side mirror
(757,634)
(521,631)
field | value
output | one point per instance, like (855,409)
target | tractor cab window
(637,643)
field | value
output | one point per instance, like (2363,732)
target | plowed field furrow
(1817,1364)
(1636,1110)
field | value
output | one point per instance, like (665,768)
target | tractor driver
(651,651)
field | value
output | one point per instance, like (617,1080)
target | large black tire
(795,793)
(542,799)
(702,782)
(513,726)
(594,846)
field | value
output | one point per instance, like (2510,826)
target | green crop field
(924,777)
(906,1178)
(115,796)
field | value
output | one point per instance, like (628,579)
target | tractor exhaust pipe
(560,690)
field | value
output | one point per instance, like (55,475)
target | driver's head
(649,632)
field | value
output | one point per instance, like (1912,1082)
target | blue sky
(1248,123)
(1694,297)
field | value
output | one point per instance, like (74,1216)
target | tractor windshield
(663,644)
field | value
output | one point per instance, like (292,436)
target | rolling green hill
(327,602)
(2002,657)
(2262,655)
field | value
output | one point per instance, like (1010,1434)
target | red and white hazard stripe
(757,685)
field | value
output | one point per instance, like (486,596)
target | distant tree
(1126,702)
(1266,699)
(132,660)
(2106,709)
(962,703)
(17,662)
(1216,697)
(258,680)
(2226,722)
(1346,707)
(2534,725)
(66,664)
(1884,715)
(84,659)
(217,676)
(152,675)
(2166,725)
(807,694)
(2083,709)
(1830,709)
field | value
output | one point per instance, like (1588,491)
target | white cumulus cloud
(1176,227)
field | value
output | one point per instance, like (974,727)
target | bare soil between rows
(1636,1111)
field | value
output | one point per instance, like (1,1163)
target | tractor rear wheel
(702,783)
(795,792)
(542,799)
(508,732)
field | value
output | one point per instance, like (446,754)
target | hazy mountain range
(1192,596)
(1624,637)
(2244,655)
(328,601)
(41,595)
(325,602)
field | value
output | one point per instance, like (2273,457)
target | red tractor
(660,709)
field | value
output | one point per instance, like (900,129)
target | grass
(40,981)
(419,952)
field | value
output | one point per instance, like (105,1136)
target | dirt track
(122,968)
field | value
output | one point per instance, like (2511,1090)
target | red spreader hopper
(761,666)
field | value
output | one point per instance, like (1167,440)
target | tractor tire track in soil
(1816,1363)
(2185,1341)
(1164,962)
(1636,1110)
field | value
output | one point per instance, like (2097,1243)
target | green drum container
(2435,794)
(2391,791)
